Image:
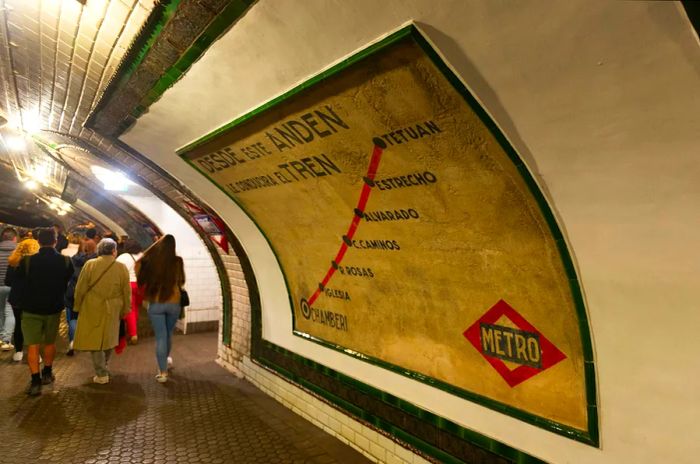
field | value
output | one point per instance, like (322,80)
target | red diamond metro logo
(503,336)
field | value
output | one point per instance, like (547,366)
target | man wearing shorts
(45,276)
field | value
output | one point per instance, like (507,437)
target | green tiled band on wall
(147,53)
(428,433)
(162,12)
(230,14)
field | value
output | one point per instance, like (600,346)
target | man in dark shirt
(43,278)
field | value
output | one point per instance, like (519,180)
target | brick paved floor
(202,415)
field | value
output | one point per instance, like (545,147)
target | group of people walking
(97,288)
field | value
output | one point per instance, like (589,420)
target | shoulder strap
(27,261)
(98,279)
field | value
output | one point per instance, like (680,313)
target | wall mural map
(407,234)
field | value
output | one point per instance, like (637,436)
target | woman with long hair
(160,274)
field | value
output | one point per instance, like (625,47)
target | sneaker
(170,361)
(101,379)
(17,357)
(34,389)
(134,340)
(161,378)
(7,346)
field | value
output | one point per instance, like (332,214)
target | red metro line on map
(379,146)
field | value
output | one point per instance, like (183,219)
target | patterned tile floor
(202,415)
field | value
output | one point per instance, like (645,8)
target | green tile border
(162,12)
(263,352)
(591,435)
(149,34)
(221,22)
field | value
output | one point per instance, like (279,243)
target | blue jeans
(7,318)
(163,318)
(72,320)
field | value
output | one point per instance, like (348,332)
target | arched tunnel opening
(49,180)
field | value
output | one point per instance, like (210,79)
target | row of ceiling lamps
(38,173)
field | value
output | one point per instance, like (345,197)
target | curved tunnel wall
(589,150)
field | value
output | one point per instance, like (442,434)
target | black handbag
(184,301)
(184,298)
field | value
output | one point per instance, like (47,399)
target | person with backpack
(86,252)
(43,278)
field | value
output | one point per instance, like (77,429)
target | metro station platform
(203,414)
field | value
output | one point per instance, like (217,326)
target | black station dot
(379,142)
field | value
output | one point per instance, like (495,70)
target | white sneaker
(7,346)
(170,361)
(17,357)
(101,379)
(161,378)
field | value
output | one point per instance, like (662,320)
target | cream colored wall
(601,99)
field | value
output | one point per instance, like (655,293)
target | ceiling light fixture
(31,122)
(112,180)
(15,143)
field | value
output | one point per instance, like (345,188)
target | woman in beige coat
(102,298)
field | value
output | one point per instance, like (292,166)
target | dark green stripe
(232,12)
(160,15)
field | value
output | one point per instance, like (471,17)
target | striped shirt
(6,249)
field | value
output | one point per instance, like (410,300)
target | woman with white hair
(102,298)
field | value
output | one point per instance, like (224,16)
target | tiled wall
(232,356)
(203,288)
(236,358)
(375,445)
(202,279)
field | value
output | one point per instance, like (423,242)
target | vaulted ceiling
(66,62)
(58,56)
(56,60)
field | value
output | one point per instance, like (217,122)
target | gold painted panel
(406,233)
